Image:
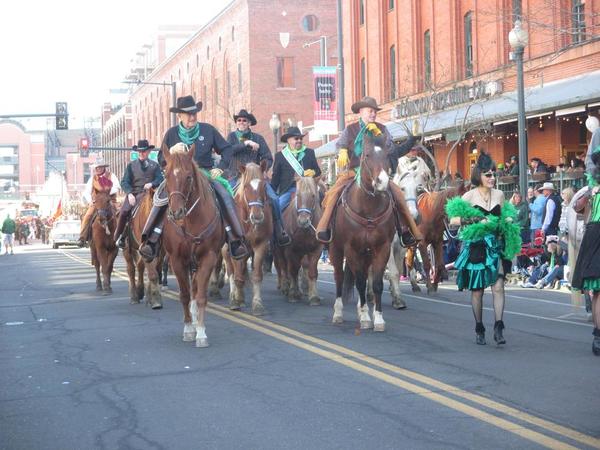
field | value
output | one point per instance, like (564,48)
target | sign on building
(153,155)
(324,100)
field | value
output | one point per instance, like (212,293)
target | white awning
(573,110)
(502,122)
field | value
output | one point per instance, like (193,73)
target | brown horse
(136,264)
(300,220)
(193,235)
(102,247)
(431,208)
(255,212)
(363,231)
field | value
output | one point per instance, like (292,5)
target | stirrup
(407,239)
(121,242)
(325,236)
(148,251)
(238,249)
(283,239)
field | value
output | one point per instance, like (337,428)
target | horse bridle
(308,211)
(408,199)
(185,197)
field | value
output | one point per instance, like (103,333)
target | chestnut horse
(431,207)
(135,263)
(300,220)
(254,211)
(193,235)
(363,231)
(102,246)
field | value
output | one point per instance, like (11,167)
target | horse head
(181,178)
(408,181)
(306,200)
(374,165)
(253,191)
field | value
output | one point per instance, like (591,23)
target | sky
(76,51)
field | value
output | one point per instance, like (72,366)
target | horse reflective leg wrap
(280,235)
(85,226)
(330,201)
(152,232)
(123,217)
(407,228)
(233,227)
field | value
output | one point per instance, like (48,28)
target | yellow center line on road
(274,330)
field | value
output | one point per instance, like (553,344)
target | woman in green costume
(587,269)
(490,240)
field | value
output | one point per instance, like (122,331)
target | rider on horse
(350,150)
(206,139)
(294,160)
(140,176)
(250,147)
(102,181)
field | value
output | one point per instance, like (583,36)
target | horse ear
(242,169)
(263,165)
(164,148)
(192,151)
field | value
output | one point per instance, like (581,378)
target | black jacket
(283,173)
(242,155)
(210,139)
(136,176)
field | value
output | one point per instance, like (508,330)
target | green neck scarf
(358,142)
(188,135)
(243,136)
(294,157)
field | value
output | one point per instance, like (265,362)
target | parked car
(65,232)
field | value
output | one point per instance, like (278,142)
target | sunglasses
(242,120)
(490,174)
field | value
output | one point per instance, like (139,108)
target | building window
(392,95)
(188,67)
(240,77)
(205,95)
(232,34)
(363,78)
(207,52)
(427,57)
(310,23)
(390,5)
(197,60)
(578,18)
(219,43)
(361,12)
(228,84)
(285,72)
(468,44)
(216,91)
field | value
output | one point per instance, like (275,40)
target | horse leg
(153,290)
(165,271)
(293,270)
(105,269)
(336,257)
(257,278)
(313,273)
(378,271)
(304,276)
(438,264)
(183,280)
(410,269)
(396,258)
(426,267)
(213,286)
(139,286)
(96,264)
(362,305)
(131,274)
(201,280)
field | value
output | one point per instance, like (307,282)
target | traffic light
(84,148)
(62,116)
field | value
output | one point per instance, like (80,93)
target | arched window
(361,12)
(468,25)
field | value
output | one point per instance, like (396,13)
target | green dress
(587,269)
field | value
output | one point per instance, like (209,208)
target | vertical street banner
(325,100)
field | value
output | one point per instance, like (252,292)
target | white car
(65,232)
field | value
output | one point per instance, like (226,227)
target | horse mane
(309,184)
(181,159)
(252,172)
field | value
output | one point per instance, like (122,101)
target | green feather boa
(503,226)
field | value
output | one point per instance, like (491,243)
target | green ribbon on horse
(358,141)
(219,179)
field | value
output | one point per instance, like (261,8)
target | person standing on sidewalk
(8,230)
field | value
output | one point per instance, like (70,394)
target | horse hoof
(398,304)
(98,288)
(366,324)
(189,336)
(157,306)
(379,327)
(107,292)
(234,306)
(337,319)
(314,301)
(416,289)
(258,309)
(201,342)
(134,301)
(292,299)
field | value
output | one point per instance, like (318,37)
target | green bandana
(358,142)
(243,136)
(294,157)
(188,135)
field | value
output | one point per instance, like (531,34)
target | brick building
(117,132)
(242,58)
(448,68)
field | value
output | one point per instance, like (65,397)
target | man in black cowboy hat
(248,146)
(294,160)
(349,146)
(206,139)
(141,175)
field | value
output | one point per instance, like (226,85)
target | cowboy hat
(142,146)
(547,185)
(292,132)
(366,102)
(100,163)
(245,115)
(187,105)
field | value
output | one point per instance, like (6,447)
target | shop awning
(575,92)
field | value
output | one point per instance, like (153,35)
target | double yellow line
(473,405)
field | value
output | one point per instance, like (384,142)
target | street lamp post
(274,125)
(518,39)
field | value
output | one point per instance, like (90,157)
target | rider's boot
(407,229)
(233,227)
(85,227)
(152,232)
(119,236)
(281,236)
(330,201)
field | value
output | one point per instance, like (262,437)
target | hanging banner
(325,100)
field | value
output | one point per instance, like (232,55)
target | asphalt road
(82,371)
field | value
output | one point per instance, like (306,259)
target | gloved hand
(215,173)
(148,186)
(343,160)
(131,199)
(372,127)
(309,173)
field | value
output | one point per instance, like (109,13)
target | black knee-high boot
(233,227)
(152,232)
